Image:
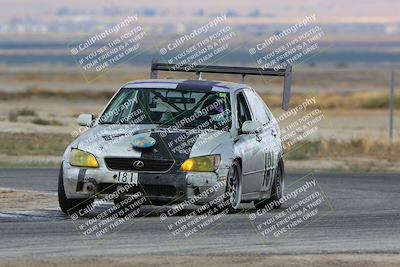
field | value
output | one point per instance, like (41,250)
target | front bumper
(158,188)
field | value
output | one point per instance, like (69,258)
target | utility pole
(391,107)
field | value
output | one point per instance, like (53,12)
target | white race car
(176,141)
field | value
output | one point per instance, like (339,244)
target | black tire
(276,190)
(233,190)
(67,205)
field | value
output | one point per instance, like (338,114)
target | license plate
(126,178)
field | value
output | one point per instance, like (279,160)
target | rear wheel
(276,190)
(67,205)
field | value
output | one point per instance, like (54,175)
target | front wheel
(276,190)
(67,205)
(233,192)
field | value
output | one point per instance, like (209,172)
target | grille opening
(139,164)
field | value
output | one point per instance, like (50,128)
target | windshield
(177,108)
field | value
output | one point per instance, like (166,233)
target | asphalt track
(363,216)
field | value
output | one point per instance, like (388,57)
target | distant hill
(360,11)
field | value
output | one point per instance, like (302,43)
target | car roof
(190,85)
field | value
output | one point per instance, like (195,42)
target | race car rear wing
(243,71)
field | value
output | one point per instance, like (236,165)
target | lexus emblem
(138,164)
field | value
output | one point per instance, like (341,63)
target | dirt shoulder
(211,261)
(18,200)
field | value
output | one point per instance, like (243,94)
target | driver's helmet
(215,107)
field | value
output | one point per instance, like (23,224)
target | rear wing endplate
(286,73)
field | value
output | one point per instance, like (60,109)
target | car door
(269,143)
(248,147)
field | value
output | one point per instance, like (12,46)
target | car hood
(180,144)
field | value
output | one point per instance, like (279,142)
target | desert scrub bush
(12,116)
(41,121)
(26,112)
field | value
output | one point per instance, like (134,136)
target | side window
(260,110)
(243,112)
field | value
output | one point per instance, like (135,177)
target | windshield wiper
(122,123)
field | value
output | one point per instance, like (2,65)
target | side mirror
(85,120)
(251,127)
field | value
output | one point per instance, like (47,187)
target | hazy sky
(332,10)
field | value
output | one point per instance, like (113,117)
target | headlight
(81,158)
(201,164)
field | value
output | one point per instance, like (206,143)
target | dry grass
(359,100)
(361,147)
(38,92)
(326,100)
(20,144)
